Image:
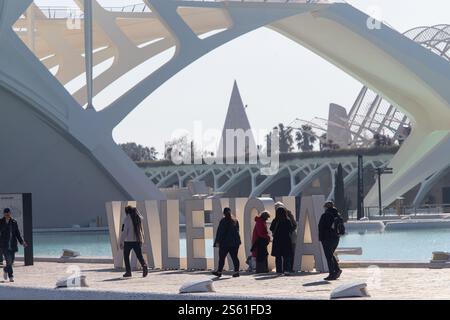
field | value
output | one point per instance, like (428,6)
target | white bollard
(350,290)
(198,287)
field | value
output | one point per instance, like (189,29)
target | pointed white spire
(236,119)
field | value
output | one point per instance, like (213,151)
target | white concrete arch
(401,71)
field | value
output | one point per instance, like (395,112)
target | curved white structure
(58,130)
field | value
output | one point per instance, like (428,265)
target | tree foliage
(138,152)
(381,140)
(305,138)
(286,140)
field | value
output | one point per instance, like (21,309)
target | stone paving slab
(38,282)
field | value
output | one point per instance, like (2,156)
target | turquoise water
(398,245)
(89,244)
(415,245)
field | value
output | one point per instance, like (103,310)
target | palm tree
(305,138)
(286,139)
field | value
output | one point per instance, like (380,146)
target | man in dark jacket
(9,236)
(228,240)
(330,239)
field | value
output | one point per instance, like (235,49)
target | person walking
(330,228)
(260,241)
(282,228)
(131,238)
(9,236)
(228,241)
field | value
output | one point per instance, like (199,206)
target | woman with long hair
(282,229)
(291,217)
(260,241)
(228,240)
(131,238)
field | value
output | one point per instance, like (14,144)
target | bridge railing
(58,12)
(275,1)
(402,211)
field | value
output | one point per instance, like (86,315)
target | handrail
(59,12)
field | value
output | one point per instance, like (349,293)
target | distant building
(338,131)
(236,123)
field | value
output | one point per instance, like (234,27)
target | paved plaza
(38,282)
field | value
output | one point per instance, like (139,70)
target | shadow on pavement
(268,276)
(103,270)
(116,279)
(316,283)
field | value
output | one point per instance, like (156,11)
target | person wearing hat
(9,236)
(330,239)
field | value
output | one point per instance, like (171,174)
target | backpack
(338,225)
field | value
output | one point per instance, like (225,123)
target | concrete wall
(68,186)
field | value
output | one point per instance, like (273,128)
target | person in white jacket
(131,238)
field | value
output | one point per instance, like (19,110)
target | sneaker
(338,274)
(11,279)
(236,275)
(288,273)
(331,277)
(217,274)
(127,275)
(144,271)
(5,275)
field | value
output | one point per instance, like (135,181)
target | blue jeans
(9,258)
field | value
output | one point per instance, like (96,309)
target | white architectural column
(170,234)
(31,28)
(88,49)
(195,235)
(152,232)
(114,216)
(309,253)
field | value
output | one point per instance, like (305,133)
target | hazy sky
(279,80)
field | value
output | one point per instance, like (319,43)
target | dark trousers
(9,259)
(283,264)
(223,252)
(136,247)
(1,255)
(262,266)
(329,247)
